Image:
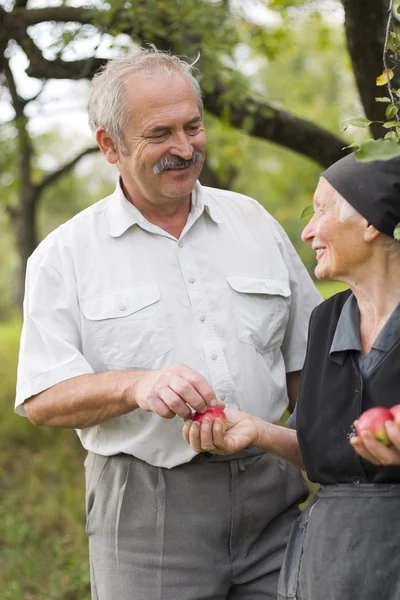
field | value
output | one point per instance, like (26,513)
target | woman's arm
(243,431)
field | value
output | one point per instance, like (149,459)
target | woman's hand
(371,449)
(242,432)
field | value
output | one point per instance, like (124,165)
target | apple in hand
(395,412)
(374,420)
(212,413)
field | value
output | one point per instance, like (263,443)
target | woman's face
(339,246)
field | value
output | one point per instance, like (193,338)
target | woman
(345,546)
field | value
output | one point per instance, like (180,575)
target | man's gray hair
(107,101)
(346,210)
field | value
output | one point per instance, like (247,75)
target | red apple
(374,420)
(212,413)
(395,412)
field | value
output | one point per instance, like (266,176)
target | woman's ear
(370,232)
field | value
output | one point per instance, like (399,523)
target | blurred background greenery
(43,545)
(279,78)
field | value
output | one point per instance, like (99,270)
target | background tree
(219,30)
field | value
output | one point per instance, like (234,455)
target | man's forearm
(85,400)
(279,441)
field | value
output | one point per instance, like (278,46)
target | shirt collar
(123,214)
(347,334)
(390,333)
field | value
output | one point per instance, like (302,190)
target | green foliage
(307,211)
(377,150)
(329,288)
(43,547)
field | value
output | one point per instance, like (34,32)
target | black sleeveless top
(331,398)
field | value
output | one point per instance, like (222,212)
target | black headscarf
(372,188)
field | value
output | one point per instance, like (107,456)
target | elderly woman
(345,545)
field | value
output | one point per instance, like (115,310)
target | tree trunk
(25,220)
(365,26)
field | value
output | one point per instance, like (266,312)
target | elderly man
(145,307)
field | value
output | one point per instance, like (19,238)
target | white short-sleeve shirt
(109,290)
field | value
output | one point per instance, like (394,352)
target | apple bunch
(212,413)
(374,420)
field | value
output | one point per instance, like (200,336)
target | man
(145,307)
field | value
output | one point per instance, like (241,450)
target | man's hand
(242,432)
(373,450)
(173,391)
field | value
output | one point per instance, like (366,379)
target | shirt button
(191,280)
(222,397)
(202,318)
(122,306)
(180,244)
(356,480)
(214,356)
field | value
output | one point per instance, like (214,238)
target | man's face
(165,139)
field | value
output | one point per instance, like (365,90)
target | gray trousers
(212,529)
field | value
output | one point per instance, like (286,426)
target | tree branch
(365,27)
(62,14)
(280,127)
(55,175)
(269,123)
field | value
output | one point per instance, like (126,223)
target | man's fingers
(202,387)
(159,407)
(174,402)
(187,393)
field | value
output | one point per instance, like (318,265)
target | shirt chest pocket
(261,309)
(128,326)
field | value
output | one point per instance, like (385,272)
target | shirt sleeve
(304,298)
(51,347)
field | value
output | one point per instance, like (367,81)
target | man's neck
(171,216)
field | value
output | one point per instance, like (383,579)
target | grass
(43,545)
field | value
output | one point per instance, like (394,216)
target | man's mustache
(176,162)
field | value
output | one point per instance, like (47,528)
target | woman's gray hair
(107,101)
(346,210)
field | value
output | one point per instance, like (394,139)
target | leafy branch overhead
(388,147)
(220,31)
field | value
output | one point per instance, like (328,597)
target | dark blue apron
(345,546)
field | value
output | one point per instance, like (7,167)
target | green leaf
(309,210)
(396,232)
(248,123)
(382,99)
(389,124)
(377,150)
(391,111)
(353,145)
(356,122)
(392,42)
(391,135)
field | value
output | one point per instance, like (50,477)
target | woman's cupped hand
(241,432)
(368,447)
